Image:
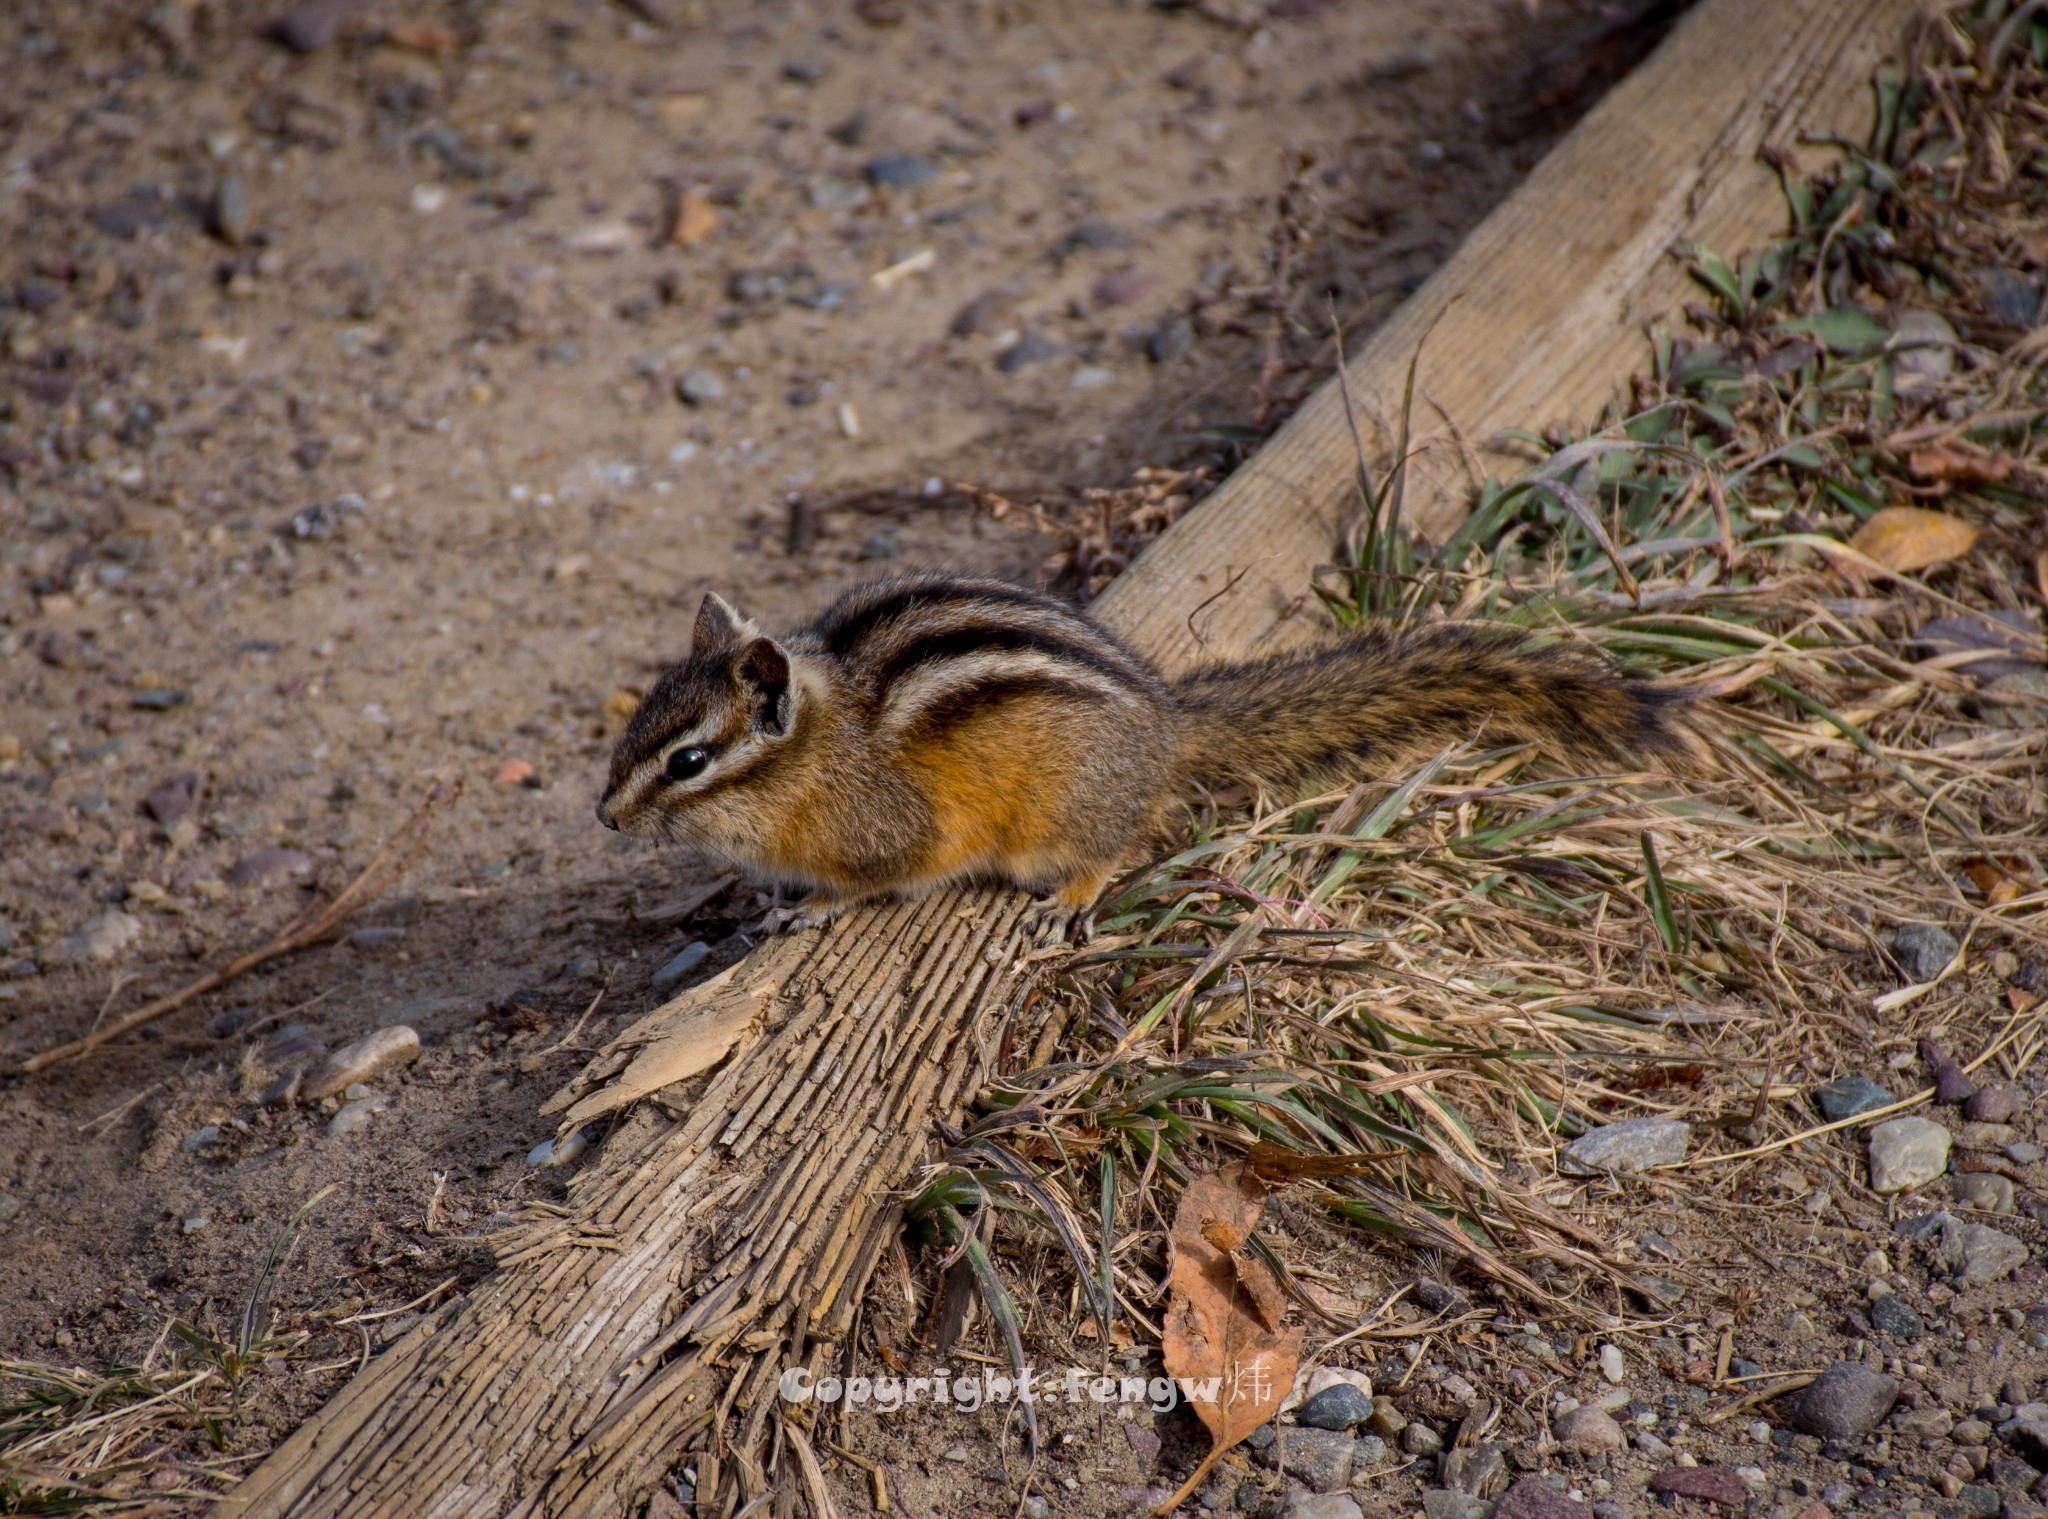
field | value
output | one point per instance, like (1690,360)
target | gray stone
(1320,1458)
(1636,1144)
(1589,1429)
(201,1139)
(2025,1153)
(1924,350)
(1907,1153)
(1977,1253)
(1338,1407)
(1979,1501)
(1846,1402)
(368,940)
(1610,1511)
(700,387)
(1418,1439)
(1984,1138)
(387,1049)
(1851,1095)
(102,939)
(1434,1297)
(1983,1190)
(1170,339)
(1369,1450)
(312,24)
(1534,1498)
(1931,1423)
(1031,348)
(1387,1420)
(1612,1367)
(1923,950)
(899,171)
(355,1116)
(1322,1506)
(692,956)
(1892,1315)
(1449,1503)
(174,799)
(231,209)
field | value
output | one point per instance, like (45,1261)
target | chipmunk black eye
(685,763)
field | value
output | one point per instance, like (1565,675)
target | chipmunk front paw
(1051,921)
(795,920)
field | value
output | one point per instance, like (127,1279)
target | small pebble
(370,939)
(354,1116)
(1031,348)
(1992,1105)
(700,387)
(692,956)
(1923,950)
(311,25)
(1906,1153)
(231,209)
(899,171)
(1850,1096)
(104,938)
(1983,1190)
(1092,377)
(562,1151)
(1170,339)
(1846,1402)
(265,863)
(194,1223)
(201,1139)
(1611,1365)
(1341,1406)
(1589,1429)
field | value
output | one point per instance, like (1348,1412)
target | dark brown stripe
(851,621)
(985,638)
(972,701)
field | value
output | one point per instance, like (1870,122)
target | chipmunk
(927,729)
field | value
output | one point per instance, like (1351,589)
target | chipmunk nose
(604,811)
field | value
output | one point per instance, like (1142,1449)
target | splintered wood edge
(1537,317)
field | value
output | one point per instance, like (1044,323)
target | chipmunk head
(708,723)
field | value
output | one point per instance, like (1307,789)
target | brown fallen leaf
(2000,880)
(1908,538)
(1224,1342)
(1962,462)
(695,219)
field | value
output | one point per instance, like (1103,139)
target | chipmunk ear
(719,626)
(763,671)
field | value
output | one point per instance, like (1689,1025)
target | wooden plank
(1536,318)
(704,1254)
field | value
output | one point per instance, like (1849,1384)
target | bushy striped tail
(1289,717)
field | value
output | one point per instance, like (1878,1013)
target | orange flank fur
(987,780)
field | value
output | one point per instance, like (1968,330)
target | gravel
(899,171)
(1992,1105)
(261,866)
(1984,1191)
(1612,1367)
(1450,1503)
(700,387)
(1320,1458)
(1891,1315)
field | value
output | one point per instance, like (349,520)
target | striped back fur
(1349,705)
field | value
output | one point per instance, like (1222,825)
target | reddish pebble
(1716,1484)
(1991,1105)
(516,772)
(1122,289)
